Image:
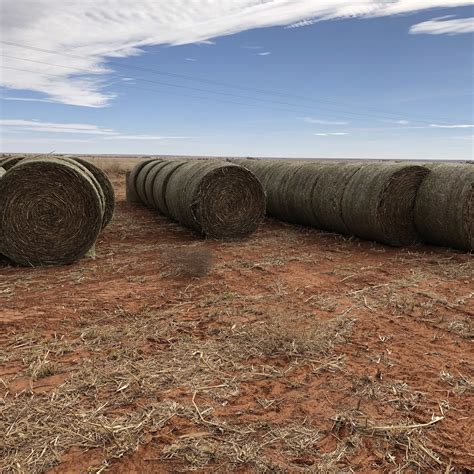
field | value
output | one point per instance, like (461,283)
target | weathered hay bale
(379,200)
(106,186)
(218,199)
(444,210)
(141,179)
(328,193)
(2,172)
(131,181)
(305,193)
(150,181)
(51,212)
(160,185)
(10,162)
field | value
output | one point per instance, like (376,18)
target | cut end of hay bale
(230,203)
(54,222)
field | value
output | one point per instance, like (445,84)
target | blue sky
(368,86)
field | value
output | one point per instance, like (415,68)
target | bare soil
(294,350)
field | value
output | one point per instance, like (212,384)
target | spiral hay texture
(217,199)
(444,211)
(379,201)
(50,212)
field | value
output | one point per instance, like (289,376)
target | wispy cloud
(331,134)
(264,53)
(52,127)
(122,29)
(191,59)
(323,122)
(29,126)
(446,25)
(143,137)
(461,125)
(27,99)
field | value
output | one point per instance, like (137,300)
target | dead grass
(126,362)
(191,262)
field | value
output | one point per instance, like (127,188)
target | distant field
(294,350)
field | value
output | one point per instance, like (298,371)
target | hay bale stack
(51,212)
(218,199)
(305,193)
(379,200)
(444,210)
(141,180)
(106,187)
(160,185)
(131,182)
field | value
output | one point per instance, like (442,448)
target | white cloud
(91,31)
(143,137)
(331,134)
(323,122)
(462,125)
(265,53)
(16,126)
(191,59)
(27,99)
(51,127)
(446,25)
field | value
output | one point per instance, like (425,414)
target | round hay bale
(444,210)
(51,212)
(2,172)
(131,183)
(10,162)
(160,185)
(326,198)
(379,200)
(298,191)
(106,186)
(141,180)
(150,182)
(218,199)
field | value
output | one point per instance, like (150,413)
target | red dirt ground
(399,355)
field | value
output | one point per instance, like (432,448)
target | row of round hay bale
(372,201)
(51,211)
(444,211)
(306,193)
(217,199)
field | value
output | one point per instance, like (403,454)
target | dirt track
(300,350)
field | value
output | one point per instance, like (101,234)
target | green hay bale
(131,182)
(141,179)
(444,210)
(106,186)
(160,185)
(218,199)
(51,212)
(379,200)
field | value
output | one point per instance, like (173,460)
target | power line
(227,84)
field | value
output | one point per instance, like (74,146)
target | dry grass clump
(190,262)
